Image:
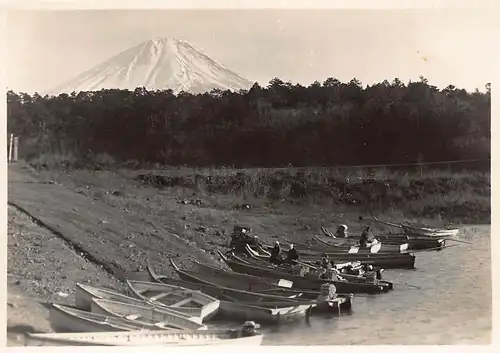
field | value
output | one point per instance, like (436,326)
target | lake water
(452,306)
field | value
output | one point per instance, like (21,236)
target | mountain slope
(165,63)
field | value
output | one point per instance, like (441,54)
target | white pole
(10,146)
(16,148)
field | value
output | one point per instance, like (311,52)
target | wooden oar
(430,249)
(305,264)
(386,223)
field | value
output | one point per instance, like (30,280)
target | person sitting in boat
(329,274)
(320,272)
(249,329)
(255,241)
(367,237)
(371,275)
(327,292)
(341,232)
(292,255)
(276,254)
(325,261)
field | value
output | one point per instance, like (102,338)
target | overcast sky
(446,46)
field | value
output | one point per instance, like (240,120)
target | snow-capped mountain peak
(158,63)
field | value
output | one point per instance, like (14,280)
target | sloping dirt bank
(41,268)
(57,237)
(115,240)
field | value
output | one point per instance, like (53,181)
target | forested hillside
(324,124)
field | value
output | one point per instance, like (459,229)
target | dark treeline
(327,124)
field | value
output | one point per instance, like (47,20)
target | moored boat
(423,231)
(209,275)
(175,297)
(353,248)
(147,338)
(258,285)
(414,242)
(300,282)
(231,307)
(261,261)
(146,315)
(67,319)
(227,286)
(84,294)
(404,260)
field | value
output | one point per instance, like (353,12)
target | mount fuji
(162,63)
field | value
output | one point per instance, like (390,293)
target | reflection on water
(446,300)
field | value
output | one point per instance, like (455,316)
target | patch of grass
(434,194)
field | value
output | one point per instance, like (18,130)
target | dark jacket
(366,237)
(276,252)
(292,255)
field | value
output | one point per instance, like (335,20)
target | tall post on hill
(10,146)
(16,148)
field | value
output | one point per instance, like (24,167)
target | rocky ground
(41,269)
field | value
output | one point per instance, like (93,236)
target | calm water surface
(452,306)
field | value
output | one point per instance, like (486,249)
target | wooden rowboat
(224,287)
(212,275)
(232,308)
(405,260)
(144,338)
(414,242)
(85,293)
(66,319)
(425,231)
(258,285)
(175,297)
(261,261)
(356,249)
(299,282)
(146,315)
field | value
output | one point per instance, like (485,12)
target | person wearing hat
(366,237)
(249,329)
(276,254)
(292,255)
(371,275)
(341,231)
(325,261)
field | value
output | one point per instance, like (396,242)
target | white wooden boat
(66,319)
(354,248)
(145,338)
(231,307)
(430,232)
(85,293)
(423,231)
(175,297)
(146,315)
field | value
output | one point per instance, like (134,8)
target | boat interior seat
(132,317)
(182,302)
(160,296)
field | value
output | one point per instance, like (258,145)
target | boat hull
(144,338)
(309,283)
(65,319)
(206,305)
(146,315)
